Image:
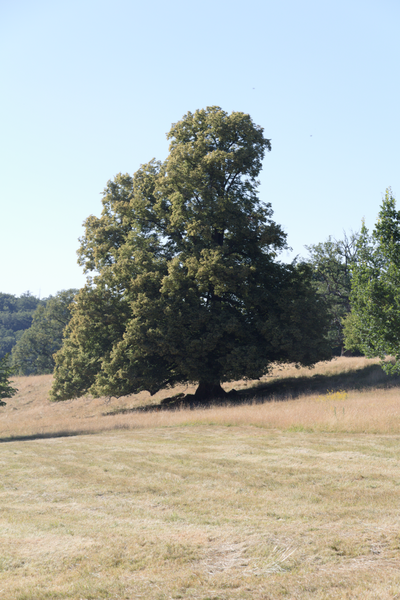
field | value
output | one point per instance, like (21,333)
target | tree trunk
(209,391)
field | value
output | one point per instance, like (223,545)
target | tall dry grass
(373,409)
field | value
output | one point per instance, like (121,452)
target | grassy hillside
(346,394)
(294,498)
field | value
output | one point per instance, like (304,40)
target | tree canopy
(184,284)
(34,351)
(331,263)
(373,326)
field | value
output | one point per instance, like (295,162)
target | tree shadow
(44,436)
(367,377)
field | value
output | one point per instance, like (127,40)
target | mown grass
(294,498)
(201,512)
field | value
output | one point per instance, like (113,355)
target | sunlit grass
(290,498)
(200,512)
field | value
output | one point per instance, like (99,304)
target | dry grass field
(294,498)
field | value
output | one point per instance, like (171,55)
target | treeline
(332,262)
(31,330)
(16,316)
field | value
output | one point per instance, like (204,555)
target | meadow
(294,497)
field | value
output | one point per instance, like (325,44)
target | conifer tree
(373,326)
(6,390)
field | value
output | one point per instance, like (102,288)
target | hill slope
(346,394)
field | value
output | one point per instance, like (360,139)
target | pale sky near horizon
(90,89)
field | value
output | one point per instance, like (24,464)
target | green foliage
(186,284)
(15,317)
(33,352)
(373,326)
(6,391)
(331,262)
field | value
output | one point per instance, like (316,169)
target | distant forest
(16,316)
(31,330)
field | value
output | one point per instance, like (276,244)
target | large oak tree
(185,283)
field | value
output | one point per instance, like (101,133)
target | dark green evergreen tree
(373,326)
(6,390)
(186,284)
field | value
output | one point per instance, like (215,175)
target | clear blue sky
(90,88)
